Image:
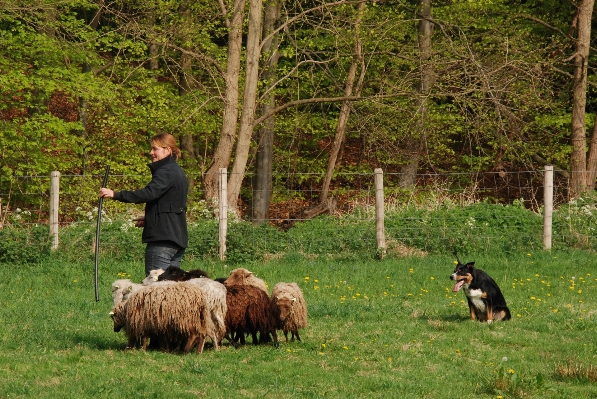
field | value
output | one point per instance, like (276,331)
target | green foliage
(443,228)
(24,245)
(574,223)
(469,229)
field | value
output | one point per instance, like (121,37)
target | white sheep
(120,288)
(170,313)
(289,309)
(152,277)
(215,299)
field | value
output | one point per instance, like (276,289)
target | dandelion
(432,278)
(504,359)
(306,278)
(511,371)
(345,347)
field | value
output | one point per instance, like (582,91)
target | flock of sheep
(176,309)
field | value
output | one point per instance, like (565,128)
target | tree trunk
(249,100)
(592,159)
(578,157)
(221,158)
(262,192)
(416,143)
(357,60)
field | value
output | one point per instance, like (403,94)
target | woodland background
(291,93)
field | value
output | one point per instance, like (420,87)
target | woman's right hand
(106,193)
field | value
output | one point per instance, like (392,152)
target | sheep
(152,277)
(242,276)
(249,312)
(215,298)
(169,312)
(177,274)
(120,288)
(289,309)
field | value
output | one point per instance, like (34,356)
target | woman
(165,197)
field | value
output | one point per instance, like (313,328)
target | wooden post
(379,213)
(223,210)
(547,206)
(54,205)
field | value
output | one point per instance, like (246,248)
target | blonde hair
(166,140)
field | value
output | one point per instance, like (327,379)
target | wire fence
(501,211)
(24,200)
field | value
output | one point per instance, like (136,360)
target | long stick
(97,232)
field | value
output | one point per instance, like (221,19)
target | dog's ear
(470,265)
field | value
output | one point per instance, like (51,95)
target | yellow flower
(345,347)
(511,371)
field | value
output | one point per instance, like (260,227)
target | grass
(378,329)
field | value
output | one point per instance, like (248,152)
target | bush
(24,245)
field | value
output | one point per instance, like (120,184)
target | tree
(415,144)
(262,192)
(579,180)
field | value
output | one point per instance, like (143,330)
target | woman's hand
(106,193)
(140,221)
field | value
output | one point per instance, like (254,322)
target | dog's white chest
(475,298)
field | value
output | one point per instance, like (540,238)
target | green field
(378,329)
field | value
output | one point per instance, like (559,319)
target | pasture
(378,329)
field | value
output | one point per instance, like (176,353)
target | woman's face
(158,153)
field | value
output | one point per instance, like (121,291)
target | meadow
(378,329)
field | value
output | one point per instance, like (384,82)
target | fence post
(547,206)
(223,210)
(54,205)
(379,213)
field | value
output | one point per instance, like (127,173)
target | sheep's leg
(132,343)
(190,343)
(201,343)
(297,335)
(144,342)
(276,344)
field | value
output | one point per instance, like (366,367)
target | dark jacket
(165,200)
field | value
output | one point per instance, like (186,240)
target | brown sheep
(249,312)
(168,312)
(289,309)
(244,277)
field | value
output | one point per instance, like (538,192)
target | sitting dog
(485,300)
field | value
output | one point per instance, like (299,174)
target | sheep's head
(117,315)
(284,303)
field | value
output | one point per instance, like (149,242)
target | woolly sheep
(242,276)
(120,288)
(289,309)
(152,277)
(249,312)
(215,301)
(177,274)
(169,312)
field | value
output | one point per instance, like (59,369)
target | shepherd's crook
(97,232)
